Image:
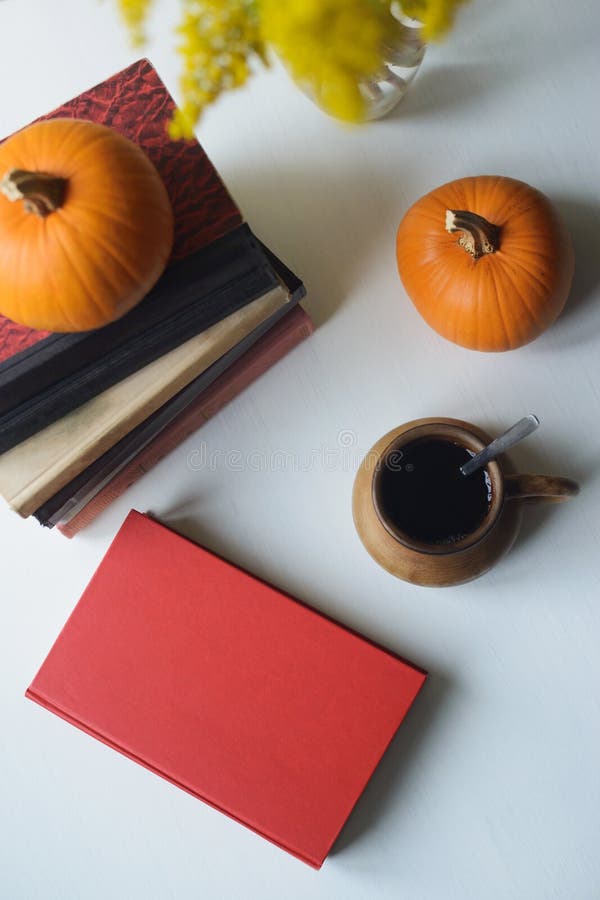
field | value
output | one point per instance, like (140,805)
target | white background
(491,790)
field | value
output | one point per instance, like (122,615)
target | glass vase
(401,57)
(401,61)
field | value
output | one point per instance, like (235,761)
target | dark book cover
(294,327)
(97,474)
(191,296)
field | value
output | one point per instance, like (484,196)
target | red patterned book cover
(279,340)
(136,103)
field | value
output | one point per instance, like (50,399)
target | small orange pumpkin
(93,232)
(486,261)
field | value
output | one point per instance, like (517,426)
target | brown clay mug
(414,556)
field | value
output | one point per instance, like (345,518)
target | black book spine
(190,297)
(105,467)
(62,355)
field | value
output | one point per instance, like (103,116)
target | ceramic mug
(441,564)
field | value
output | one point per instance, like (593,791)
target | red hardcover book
(227,687)
(279,340)
(136,103)
(218,267)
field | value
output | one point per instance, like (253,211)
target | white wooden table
(491,790)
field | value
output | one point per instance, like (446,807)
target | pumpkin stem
(42,193)
(478,235)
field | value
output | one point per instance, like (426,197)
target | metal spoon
(508,439)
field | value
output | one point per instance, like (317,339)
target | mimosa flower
(134,13)
(329,46)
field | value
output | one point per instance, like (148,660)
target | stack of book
(83,416)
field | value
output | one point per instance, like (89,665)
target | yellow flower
(134,13)
(329,46)
(436,16)
(217,40)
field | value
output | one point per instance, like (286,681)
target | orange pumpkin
(86,226)
(486,261)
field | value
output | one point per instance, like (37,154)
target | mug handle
(545,488)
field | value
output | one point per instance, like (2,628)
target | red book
(279,340)
(218,267)
(136,103)
(227,687)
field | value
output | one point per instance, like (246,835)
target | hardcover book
(84,498)
(33,471)
(102,469)
(227,687)
(190,297)
(217,267)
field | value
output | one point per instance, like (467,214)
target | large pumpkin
(86,226)
(486,261)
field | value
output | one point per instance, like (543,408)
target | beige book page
(37,468)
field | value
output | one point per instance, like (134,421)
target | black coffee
(422,491)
